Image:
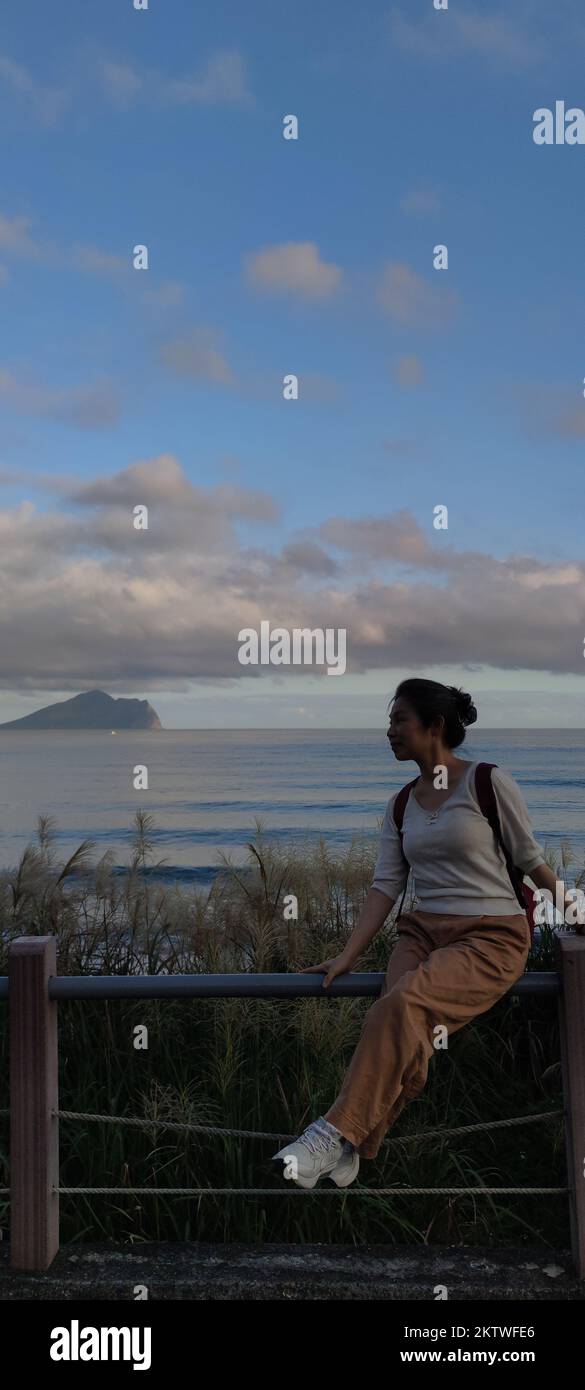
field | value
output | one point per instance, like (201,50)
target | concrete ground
(324,1272)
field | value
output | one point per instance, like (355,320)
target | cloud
(564,575)
(47,104)
(95,261)
(92,407)
(421,201)
(501,42)
(548,412)
(294,267)
(11,477)
(497,38)
(98,262)
(196,357)
(184,519)
(307,557)
(167,295)
(410,300)
(15,239)
(92,259)
(88,599)
(183,515)
(408,371)
(392,538)
(570,423)
(221,81)
(121,82)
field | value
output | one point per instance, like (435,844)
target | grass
(264,1064)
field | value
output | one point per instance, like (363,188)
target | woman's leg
(457,967)
(411,948)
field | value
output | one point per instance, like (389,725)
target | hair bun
(465,706)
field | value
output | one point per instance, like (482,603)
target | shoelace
(315,1138)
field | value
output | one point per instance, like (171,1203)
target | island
(94,709)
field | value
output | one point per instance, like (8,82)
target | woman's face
(408,737)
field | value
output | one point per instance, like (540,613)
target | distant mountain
(92,710)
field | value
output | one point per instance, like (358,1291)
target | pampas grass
(267,1064)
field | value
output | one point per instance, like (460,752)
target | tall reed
(265,1064)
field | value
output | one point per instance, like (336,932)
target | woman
(454,958)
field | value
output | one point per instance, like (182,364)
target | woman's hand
(372,916)
(337,965)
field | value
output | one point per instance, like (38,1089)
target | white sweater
(457,864)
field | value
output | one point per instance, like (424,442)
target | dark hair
(430,698)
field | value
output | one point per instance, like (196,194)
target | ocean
(206,788)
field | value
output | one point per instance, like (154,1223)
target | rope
(278,1192)
(263,1134)
(319,1192)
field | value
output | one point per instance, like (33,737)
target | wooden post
(34,1129)
(570,953)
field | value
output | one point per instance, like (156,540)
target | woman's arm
(372,916)
(391,868)
(527,854)
(515,822)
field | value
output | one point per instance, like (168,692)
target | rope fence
(268,1134)
(303,1192)
(279,1134)
(36,992)
(177,1125)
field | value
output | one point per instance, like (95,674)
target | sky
(418,388)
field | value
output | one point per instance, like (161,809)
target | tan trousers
(445,969)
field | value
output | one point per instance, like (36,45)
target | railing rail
(33,990)
(363,984)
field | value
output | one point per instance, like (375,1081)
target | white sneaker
(318,1153)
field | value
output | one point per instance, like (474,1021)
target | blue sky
(266,256)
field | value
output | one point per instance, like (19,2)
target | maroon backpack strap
(489,808)
(486,795)
(400,807)
(398,810)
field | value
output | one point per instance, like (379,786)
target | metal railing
(33,990)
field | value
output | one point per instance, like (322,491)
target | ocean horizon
(207,788)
